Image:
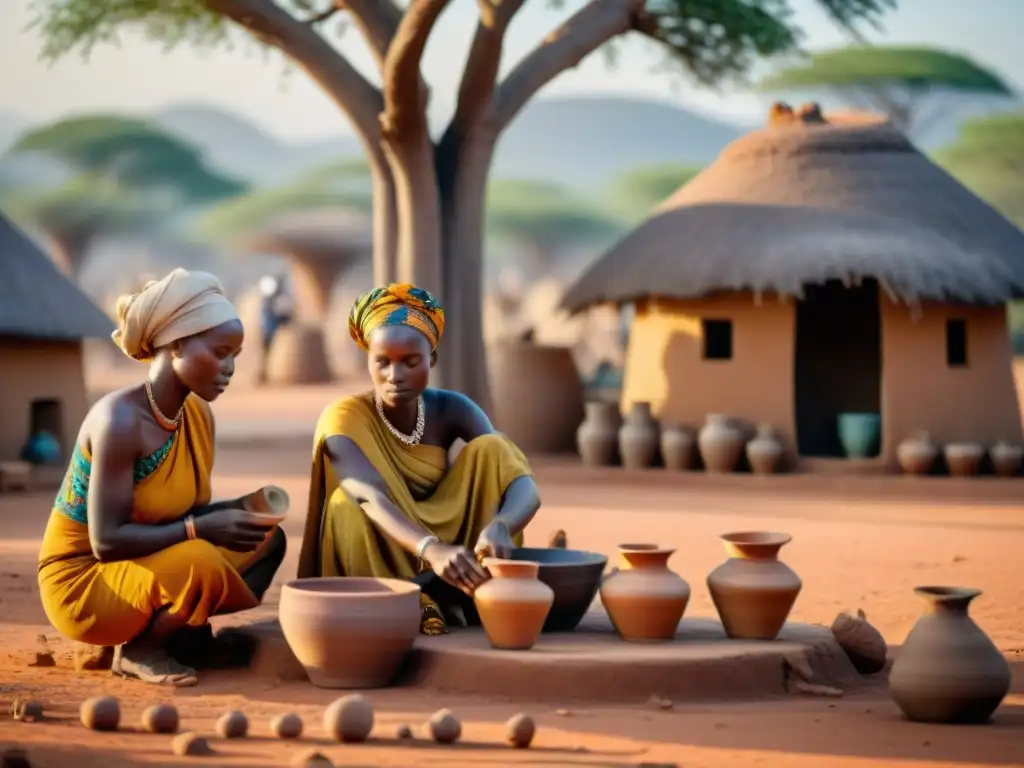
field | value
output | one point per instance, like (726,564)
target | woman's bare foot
(151,665)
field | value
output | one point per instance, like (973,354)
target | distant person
(134,555)
(275,313)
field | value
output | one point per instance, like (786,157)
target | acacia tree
(429,194)
(637,191)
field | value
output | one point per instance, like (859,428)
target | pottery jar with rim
(963,459)
(514,604)
(677,447)
(597,438)
(645,600)
(721,444)
(1006,458)
(948,670)
(638,437)
(916,455)
(753,591)
(764,452)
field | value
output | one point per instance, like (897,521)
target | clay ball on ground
(27,711)
(349,719)
(287,726)
(862,643)
(519,730)
(160,718)
(102,713)
(311,759)
(190,744)
(444,726)
(232,725)
(403,731)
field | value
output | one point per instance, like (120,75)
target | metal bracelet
(425,542)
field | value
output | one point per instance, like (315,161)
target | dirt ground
(855,544)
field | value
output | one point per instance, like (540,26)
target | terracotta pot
(721,444)
(597,439)
(537,395)
(1006,458)
(638,437)
(753,591)
(513,604)
(350,632)
(948,670)
(963,459)
(644,599)
(917,454)
(765,451)
(677,447)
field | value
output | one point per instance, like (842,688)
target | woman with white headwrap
(134,555)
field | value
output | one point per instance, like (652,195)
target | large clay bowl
(573,575)
(350,632)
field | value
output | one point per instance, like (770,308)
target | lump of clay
(519,730)
(444,726)
(26,710)
(287,726)
(863,644)
(190,745)
(403,731)
(160,718)
(311,759)
(349,719)
(232,725)
(102,713)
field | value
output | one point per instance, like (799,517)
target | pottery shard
(863,644)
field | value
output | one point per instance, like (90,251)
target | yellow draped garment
(453,503)
(110,603)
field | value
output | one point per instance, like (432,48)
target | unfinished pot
(753,591)
(514,604)
(269,500)
(597,438)
(645,600)
(638,437)
(916,455)
(963,459)
(721,444)
(350,632)
(948,670)
(764,452)
(677,447)
(1006,458)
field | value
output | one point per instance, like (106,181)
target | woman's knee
(493,444)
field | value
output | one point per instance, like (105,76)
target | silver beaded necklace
(421,422)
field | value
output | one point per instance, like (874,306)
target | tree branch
(323,15)
(378,21)
(582,33)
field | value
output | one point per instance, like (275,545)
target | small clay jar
(597,438)
(764,452)
(753,591)
(916,455)
(948,670)
(268,500)
(963,459)
(677,447)
(638,437)
(1006,458)
(721,444)
(645,600)
(514,604)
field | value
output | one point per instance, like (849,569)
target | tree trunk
(385,221)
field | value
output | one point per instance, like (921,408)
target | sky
(138,76)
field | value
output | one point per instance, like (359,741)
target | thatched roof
(803,201)
(36,299)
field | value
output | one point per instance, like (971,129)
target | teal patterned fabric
(74,492)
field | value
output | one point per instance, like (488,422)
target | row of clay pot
(638,439)
(752,591)
(918,453)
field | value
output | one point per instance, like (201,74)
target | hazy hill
(11,127)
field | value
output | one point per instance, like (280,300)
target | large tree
(636,192)
(899,82)
(429,194)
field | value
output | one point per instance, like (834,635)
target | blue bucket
(860,434)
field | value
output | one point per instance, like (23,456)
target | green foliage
(86,203)
(636,192)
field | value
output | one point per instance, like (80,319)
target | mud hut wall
(33,371)
(665,364)
(974,403)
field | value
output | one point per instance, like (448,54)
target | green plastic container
(860,434)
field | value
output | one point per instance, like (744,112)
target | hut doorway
(838,362)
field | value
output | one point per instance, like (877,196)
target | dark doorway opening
(838,362)
(47,416)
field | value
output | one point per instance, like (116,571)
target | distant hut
(43,319)
(822,265)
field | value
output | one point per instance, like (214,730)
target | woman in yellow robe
(134,554)
(384,501)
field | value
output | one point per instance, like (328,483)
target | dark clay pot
(573,575)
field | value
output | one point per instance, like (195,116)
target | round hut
(821,266)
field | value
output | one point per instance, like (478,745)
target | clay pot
(753,591)
(644,599)
(268,500)
(1006,458)
(948,670)
(677,444)
(765,451)
(917,454)
(721,444)
(638,437)
(513,604)
(963,459)
(597,439)
(297,356)
(350,632)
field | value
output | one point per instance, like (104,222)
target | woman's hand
(456,565)
(234,529)
(495,540)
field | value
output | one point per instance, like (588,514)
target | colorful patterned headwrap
(396,304)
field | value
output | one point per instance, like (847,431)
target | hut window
(717,339)
(956,343)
